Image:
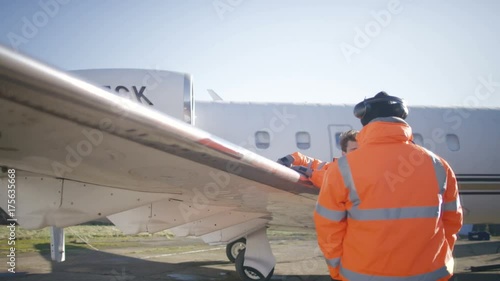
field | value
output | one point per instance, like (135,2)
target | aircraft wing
(84,153)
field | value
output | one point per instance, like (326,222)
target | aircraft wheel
(234,248)
(247,273)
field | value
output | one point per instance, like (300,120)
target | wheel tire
(234,248)
(247,273)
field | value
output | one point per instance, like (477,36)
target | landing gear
(57,248)
(234,248)
(256,261)
(247,273)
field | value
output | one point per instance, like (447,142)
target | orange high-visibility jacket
(316,167)
(389,210)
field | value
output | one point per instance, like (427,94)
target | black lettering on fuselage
(139,94)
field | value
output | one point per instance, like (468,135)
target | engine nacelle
(167,91)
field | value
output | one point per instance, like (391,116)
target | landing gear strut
(247,273)
(256,261)
(57,248)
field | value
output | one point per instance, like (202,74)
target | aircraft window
(337,140)
(262,139)
(418,139)
(452,142)
(303,140)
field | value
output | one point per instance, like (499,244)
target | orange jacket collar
(385,130)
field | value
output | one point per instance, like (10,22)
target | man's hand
(286,161)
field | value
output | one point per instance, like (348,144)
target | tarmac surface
(187,259)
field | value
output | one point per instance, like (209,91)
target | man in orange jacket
(315,169)
(389,210)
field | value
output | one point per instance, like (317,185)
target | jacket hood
(385,130)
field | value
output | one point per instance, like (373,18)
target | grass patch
(106,237)
(289,234)
(77,237)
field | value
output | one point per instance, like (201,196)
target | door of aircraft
(334,131)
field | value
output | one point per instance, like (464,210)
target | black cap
(381,105)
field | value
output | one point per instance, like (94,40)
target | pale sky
(428,52)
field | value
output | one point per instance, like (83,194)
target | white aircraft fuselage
(467,138)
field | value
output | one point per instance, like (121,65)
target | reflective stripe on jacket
(389,210)
(318,168)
